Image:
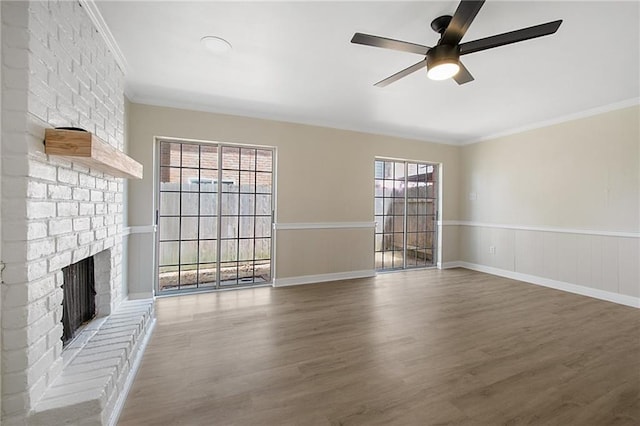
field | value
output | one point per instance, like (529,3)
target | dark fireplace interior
(79,299)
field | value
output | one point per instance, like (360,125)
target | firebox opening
(79,297)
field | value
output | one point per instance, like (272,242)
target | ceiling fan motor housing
(443,54)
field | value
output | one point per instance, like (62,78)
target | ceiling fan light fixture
(443,62)
(443,71)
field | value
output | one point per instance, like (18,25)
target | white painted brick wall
(56,71)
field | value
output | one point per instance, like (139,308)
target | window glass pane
(247,204)
(230,158)
(265,160)
(208,204)
(247,159)
(208,157)
(263,226)
(190,155)
(230,204)
(379,223)
(387,188)
(208,228)
(188,252)
(398,171)
(207,274)
(230,181)
(208,251)
(388,170)
(246,249)
(262,271)
(378,260)
(208,180)
(263,248)
(229,274)
(379,188)
(229,227)
(169,154)
(379,170)
(412,170)
(263,204)
(168,253)
(167,277)
(169,179)
(169,203)
(263,182)
(190,180)
(228,250)
(246,226)
(189,203)
(388,206)
(189,228)
(248,182)
(169,228)
(378,242)
(379,206)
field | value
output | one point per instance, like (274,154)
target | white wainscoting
(601,264)
(312,279)
(140,242)
(322,251)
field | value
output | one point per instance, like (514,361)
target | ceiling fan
(443,60)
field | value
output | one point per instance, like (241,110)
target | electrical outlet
(492,249)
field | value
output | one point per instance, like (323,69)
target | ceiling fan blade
(389,43)
(405,72)
(463,76)
(510,37)
(462,18)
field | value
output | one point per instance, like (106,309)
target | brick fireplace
(58,71)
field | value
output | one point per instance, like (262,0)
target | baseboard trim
(620,299)
(122,398)
(449,265)
(312,279)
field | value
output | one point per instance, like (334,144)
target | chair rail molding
(541,229)
(323,225)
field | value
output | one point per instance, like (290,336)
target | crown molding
(94,14)
(563,119)
(164,102)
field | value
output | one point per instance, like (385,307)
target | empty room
(319,213)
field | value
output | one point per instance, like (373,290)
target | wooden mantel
(87,149)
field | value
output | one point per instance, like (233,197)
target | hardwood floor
(411,348)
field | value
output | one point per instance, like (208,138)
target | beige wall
(579,174)
(323,176)
(559,203)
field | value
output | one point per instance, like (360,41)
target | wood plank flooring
(432,347)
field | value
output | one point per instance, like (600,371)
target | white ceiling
(293,61)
